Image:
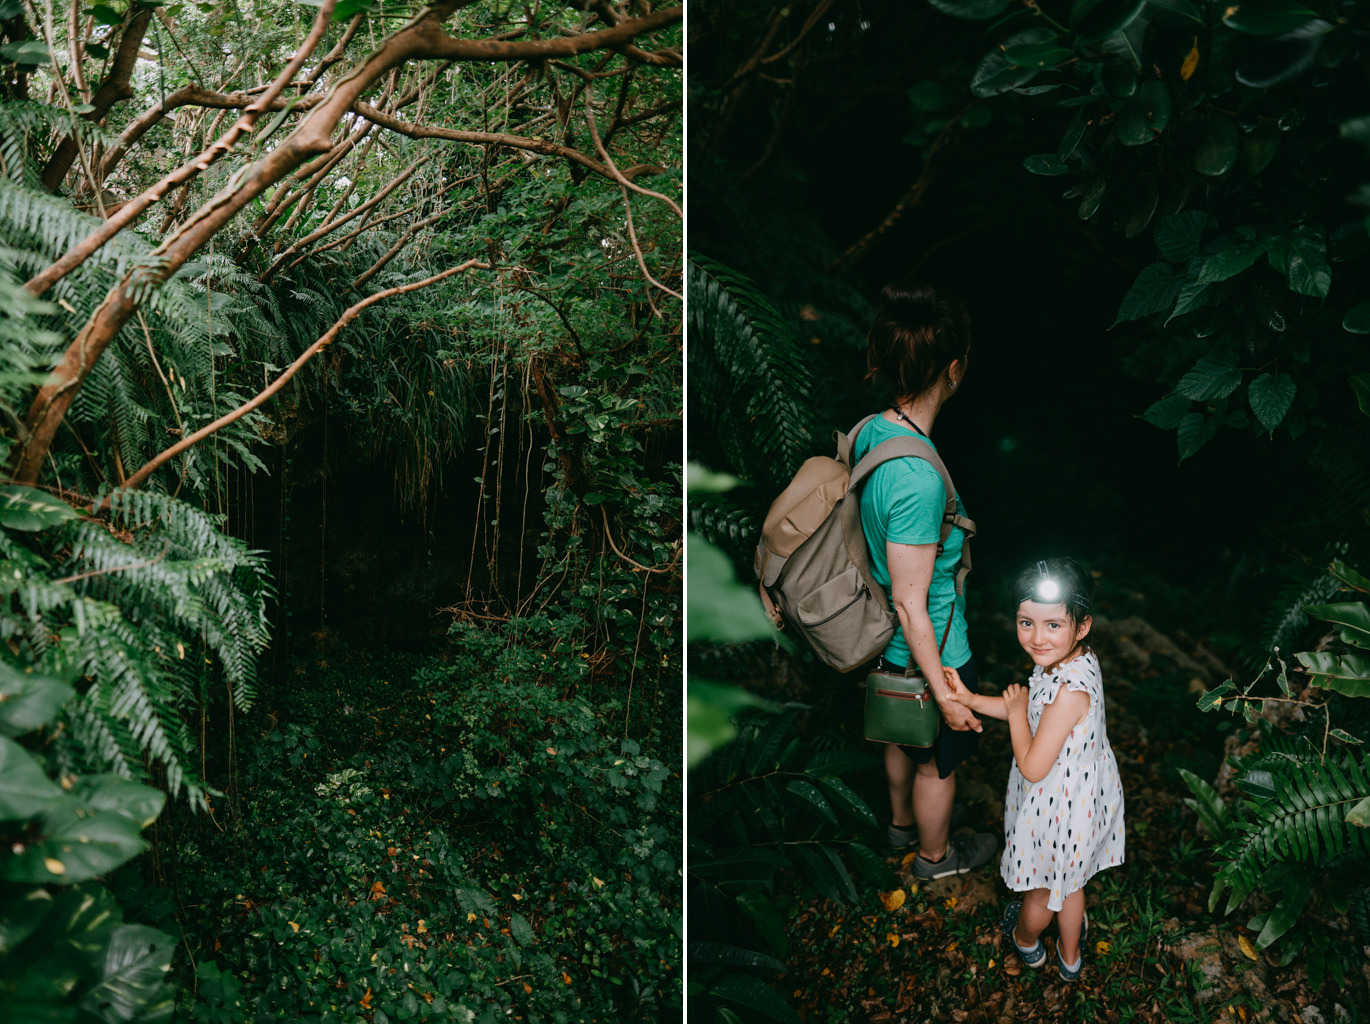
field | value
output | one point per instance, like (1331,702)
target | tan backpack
(812,559)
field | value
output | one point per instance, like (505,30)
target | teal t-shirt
(902,501)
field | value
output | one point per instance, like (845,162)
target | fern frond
(747,374)
(1303,821)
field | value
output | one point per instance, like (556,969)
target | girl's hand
(1015,697)
(959,692)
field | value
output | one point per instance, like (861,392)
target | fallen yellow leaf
(422,927)
(893,900)
(950,902)
(293,926)
(470,918)
(566,978)
(599,884)
(1248,950)
(893,939)
(1190,62)
(1101,947)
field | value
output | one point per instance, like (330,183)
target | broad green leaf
(29,51)
(521,930)
(1347,674)
(133,985)
(28,701)
(1092,199)
(1360,384)
(1145,115)
(1349,576)
(1194,431)
(1070,141)
(1211,699)
(76,845)
(972,10)
(1218,146)
(1348,613)
(28,509)
(766,918)
(1271,395)
(25,790)
(827,873)
(848,800)
(1259,784)
(1120,79)
(1038,55)
(1093,21)
(837,762)
(1257,150)
(1360,814)
(752,993)
(1144,199)
(1267,17)
(1177,236)
(1193,295)
(1168,412)
(1177,13)
(809,796)
(1045,163)
(1285,913)
(1211,378)
(1230,262)
(1154,291)
(1308,270)
(1207,805)
(1357,319)
(721,953)
(873,867)
(995,74)
(20,916)
(721,609)
(106,15)
(140,804)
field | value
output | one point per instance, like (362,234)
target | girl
(1063,815)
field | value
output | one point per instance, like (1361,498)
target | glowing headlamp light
(1047,590)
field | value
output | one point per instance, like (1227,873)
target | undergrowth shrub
(498,851)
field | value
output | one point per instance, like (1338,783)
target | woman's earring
(952,382)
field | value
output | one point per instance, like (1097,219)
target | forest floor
(934,952)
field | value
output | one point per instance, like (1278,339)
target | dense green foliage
(450,257)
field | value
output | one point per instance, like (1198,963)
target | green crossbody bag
(902,709)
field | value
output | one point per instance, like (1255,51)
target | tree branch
(324,340)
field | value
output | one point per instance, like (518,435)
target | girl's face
(1048,634)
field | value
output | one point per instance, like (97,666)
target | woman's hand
(1015,697)
(955,713)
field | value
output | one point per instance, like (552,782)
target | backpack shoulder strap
(846,443)
(918,448)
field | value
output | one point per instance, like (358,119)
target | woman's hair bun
(912,306)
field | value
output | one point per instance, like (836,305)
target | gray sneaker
(966,852)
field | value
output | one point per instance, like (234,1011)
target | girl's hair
(916,335)
(1073,586)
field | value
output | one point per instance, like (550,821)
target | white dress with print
(1059,832)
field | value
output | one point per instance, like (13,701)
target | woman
(918,348)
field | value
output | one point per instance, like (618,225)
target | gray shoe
(966,852)
(898,838)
